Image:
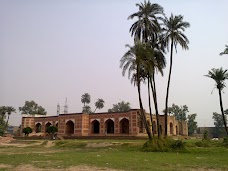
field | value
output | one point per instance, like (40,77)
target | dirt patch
(5,166)
(4,140)
(104,144)
(50,144)
(73,168)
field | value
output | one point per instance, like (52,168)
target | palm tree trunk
(151,117)
(6,123)
(221,106)
(141,106)
(153,87)
(167,91)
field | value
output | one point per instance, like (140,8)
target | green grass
(124,154)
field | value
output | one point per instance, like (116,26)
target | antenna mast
(58,109)
(65,107)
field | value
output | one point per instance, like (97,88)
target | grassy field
(115,154)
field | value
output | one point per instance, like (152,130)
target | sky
(53,50)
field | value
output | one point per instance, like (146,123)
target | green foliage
(225,52)
(85,99)
(86,109)
(180,112)
(219,125)
(32,108)
(205,135)
(164,145)
(203,143)
(192,124)
(99,104)
(52,129)
(120,107)
(27,131)
(219,76)
(225,141)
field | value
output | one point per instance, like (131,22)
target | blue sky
(50,50)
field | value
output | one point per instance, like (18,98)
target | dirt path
(73,168)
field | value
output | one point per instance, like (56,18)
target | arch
(57,125)
(109,126)
(154,127)
(69,127)
(171,128)
(124,126)
(176,130)
(38,127)
(47,125)
(95,127)
(161,129)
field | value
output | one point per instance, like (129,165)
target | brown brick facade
(103,124)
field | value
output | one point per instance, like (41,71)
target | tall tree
(219,125)
(173,35)
(99,104)
(134,61)
(32,108)
(219,76)
(86,109)
(225,52)
(147,25)
(192,124)
(120,107)
(85,99)
(9,110)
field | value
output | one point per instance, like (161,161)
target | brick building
(103,124)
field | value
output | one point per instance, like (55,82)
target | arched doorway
(109,125)
(95,127)
(38,127)
(161,129)
(47,125)
(171,128)
(57,125)
(176,130)
(124,126)
(154,127)
(69,127)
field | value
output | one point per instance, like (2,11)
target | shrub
(27,131)
(178,145)
(225,142)
(203,143)
(164,145)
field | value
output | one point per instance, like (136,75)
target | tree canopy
(32,108)
(192,124)
(180,112)
(99,104)
(85,99)
(120,107)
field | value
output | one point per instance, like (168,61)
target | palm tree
(3,111)
(219,76)
(147,25)
(9,110)
(147,28)
(134,60)
(225,51)
(85,98)
(173,35)
(99,104)
(86,109)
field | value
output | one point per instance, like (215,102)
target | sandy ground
(73,168)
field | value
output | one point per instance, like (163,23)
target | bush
(178,145)
(27,131)
(203,143)
(225,142)
(164,145)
